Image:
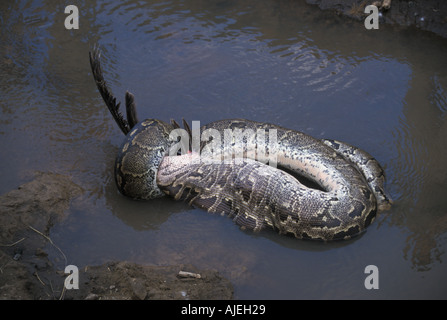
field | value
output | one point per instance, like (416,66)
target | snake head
(139,157)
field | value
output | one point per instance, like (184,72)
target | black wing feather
(106,94)
(131,110)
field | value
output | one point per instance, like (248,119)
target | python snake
(348,182)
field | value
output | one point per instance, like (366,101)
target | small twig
(51,241)
(43,283)
(52,290)
(1,268)
(37,276)
(46,237)
(62,293)
(12,244)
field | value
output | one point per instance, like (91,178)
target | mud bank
(428,15)
(27,271)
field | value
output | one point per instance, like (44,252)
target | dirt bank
(26,271)
(429,15)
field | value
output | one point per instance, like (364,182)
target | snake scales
(348,182)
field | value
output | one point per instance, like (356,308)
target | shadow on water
(421,152)
(275,61)
(142,215)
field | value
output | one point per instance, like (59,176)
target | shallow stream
(284,62)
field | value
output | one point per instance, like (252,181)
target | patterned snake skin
(347,190)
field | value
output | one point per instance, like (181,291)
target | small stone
(138,289)
(91,296)
(185,274)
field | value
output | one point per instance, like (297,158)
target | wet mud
(32,266)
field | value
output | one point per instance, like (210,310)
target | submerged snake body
(255,195)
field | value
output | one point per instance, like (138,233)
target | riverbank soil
(27,271)
(428,15)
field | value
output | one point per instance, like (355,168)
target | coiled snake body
(348,182)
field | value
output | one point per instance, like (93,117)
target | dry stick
(37,276)
(51,241)
(52,290)
(12,244)
(40,280)
(43,283)
(61,297)
(4,265)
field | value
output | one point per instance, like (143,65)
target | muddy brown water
(277,61)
